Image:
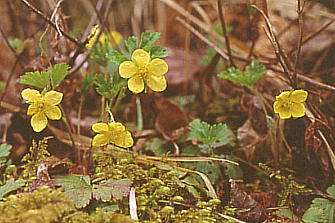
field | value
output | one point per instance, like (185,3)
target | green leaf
(321,210)
(157,51)
(17,44)
(55,75)
(131,44)
(4,153)
(77,187)
(115,57)
(87,82)
(148,39)
(35,79)
(156,145)
(109,87)
(253,73)
(211,135)
(58,73)
(10,186)
(112,188)
(2,84)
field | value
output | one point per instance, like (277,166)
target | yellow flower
(290,103)
(113,39)
(42,107)
(144,71)
(113,132)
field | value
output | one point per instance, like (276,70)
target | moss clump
(43,205)
(98,216)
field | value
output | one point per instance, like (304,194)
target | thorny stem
(40,14)
(300,14)
(223,25)
(66,121)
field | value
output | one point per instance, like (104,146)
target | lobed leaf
(131,44)
(77,187)
(10,186)
(112,188)
(148,39)
(4,153)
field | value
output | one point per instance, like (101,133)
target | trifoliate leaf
(4,153)
(115,57)
(77,188)
(148,38)
(112,188)
(131,44)
(10,186)
(211,135)
(54,76)
(248,78)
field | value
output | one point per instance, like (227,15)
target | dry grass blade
(132,204)
(208,184)
(190,159)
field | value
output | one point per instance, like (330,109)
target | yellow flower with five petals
(42,106)
(112,132)
(142,72)
(290,103)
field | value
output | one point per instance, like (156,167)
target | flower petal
(156,83)
(284,113)
(33,109)
(116,127)
(100,140)
(298,110)
(39,121)
(299,96)
(123,139)
(100,127)
(136,84)
(53,97)
(140,57)
(127,69)
(116,38)
(52,112)
(285,95)
(157,67)
(31,95)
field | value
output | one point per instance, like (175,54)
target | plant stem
(223,25)
(79,113)
(139,114)
(66,121)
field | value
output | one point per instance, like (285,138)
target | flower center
(40,104)
(142,71)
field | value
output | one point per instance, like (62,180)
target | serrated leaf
(314,215)
(248,78)
(157,51)
(57,73)
(87,82)
(148,38)
(54,76)
(331,191)
(4,153)
(115,57)
(10,186)
(77,187)
(112,188)
(36,79)
(131,44)
(108,87)
(211,135)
